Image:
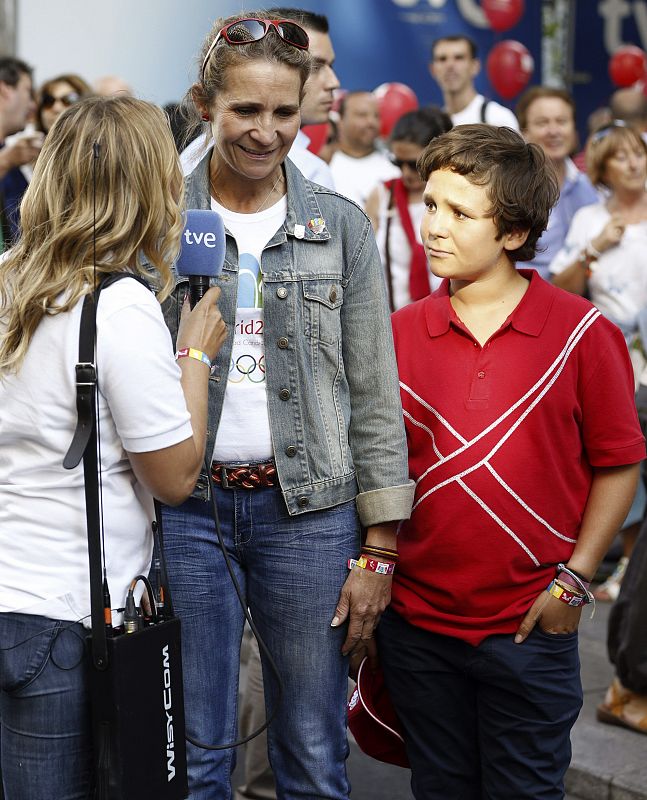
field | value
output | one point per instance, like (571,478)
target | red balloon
(395,99)
(502,14)
(628,64)
(317,135)
(509,67)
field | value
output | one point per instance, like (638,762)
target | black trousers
(627,633)
(491,721)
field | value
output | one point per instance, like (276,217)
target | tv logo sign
(207,239)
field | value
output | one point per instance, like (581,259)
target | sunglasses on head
(252,29)
(68,100)
(402,162)
(606,130)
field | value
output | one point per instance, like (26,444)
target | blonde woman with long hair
(104,196)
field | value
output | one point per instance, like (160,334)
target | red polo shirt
(502,440)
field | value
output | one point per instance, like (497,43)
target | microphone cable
(243,604)
(261,644)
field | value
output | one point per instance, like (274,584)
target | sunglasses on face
(400,162)
(48,100)
(252,29)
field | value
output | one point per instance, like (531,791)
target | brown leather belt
(245,476)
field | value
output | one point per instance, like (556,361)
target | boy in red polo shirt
(524,444)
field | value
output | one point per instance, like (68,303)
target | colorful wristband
(372,565)
(570,598)
(191,352)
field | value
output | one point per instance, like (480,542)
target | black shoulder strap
(86,376)
(84,445)
(484,106)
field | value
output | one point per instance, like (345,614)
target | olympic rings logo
(246,366)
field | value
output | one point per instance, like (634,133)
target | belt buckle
(223,477)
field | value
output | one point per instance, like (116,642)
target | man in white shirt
(357,165)
(315,106)
(454,66)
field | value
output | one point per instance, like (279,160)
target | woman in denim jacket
(305,428)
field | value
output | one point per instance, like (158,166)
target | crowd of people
(411,395)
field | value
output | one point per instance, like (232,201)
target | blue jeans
(291,570)
(45,733)
(486,722)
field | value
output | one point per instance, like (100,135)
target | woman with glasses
(305,443)
(604,259)
(396,208)
(56,95)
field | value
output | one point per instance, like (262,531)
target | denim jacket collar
(303,220)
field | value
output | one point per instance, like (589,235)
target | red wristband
(372,565)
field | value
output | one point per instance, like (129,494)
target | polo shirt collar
(529,316)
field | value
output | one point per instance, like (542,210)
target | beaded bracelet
(380,552)
(191,352)
(372,565)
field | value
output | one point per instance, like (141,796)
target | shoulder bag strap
(84,445)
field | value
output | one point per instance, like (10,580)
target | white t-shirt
(43,534)
(618,282)
(399,248)
(244,429)
(495,114)
(357,177)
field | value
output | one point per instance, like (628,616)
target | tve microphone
(203,250)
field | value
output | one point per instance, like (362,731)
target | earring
(205,118)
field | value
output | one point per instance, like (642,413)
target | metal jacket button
(290,451)
(333,295)
(283,342)
(282,292)
(302,501)
(284,394)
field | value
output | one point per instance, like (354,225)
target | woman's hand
(610,235)
(363,598)
(202,328)
(552,616)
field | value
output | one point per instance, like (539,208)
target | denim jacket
(332,385)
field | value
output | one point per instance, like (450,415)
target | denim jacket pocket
(322,309)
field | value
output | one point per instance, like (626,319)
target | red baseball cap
(372,719)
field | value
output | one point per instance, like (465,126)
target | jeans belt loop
(223,476)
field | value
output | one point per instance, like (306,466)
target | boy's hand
(551,615)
